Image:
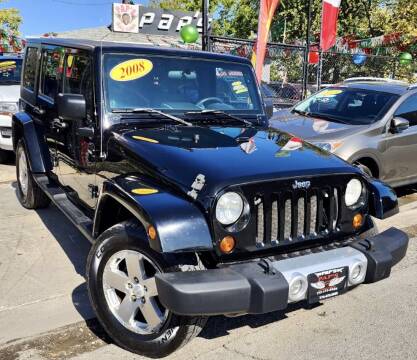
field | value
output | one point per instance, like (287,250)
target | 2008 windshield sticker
(131,70)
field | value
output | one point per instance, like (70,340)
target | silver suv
(369,122)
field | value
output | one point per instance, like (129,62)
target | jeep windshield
(179,85)
(10,71)
(347,105)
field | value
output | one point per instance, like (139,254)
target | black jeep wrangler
(164,160)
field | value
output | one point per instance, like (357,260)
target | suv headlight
(8,107)
(354,193)
(229,208)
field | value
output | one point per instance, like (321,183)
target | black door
(69,71)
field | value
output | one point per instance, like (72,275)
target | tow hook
(266,266)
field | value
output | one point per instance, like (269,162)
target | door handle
(37,110)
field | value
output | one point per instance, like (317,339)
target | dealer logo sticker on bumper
(327,284)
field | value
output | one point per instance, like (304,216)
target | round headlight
(353,192)
(229,208)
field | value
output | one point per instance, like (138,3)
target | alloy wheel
(131,294)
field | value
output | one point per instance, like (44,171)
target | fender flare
(23,126)
(383,200)
(180,224)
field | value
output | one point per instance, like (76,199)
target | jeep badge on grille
(301,185)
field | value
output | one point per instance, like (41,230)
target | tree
(10,19)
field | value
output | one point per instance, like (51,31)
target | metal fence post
(205,43)
(307,50)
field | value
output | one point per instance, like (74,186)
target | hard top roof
(388,87)
(108,46)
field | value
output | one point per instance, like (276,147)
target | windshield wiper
(300,112)
(9,82)
(219,113)
(327,117)
(152,112)
(319,116)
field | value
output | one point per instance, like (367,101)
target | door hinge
(94,190)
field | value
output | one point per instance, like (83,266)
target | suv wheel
(121,272)
(28,192)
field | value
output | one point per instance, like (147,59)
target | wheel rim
(23,173)
(131,294)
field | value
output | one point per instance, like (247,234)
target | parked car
(371,123)
(10,73)
(193,206)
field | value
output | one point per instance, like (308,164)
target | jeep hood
(224,156)
(312,129)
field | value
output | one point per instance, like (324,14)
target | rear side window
(29,75)
(52,69)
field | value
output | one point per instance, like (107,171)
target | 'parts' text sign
(169,22)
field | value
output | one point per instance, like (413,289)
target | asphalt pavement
(45,314)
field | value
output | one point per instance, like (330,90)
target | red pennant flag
(266,14)
(330,13)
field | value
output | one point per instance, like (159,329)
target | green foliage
(10,19)
(362,18)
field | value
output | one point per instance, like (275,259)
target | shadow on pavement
(220,326)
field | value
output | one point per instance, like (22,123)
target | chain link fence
(283,79)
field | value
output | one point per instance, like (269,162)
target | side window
(78,77)
(51,77)
(408,110)
(29,75)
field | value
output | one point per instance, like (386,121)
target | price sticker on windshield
(131,70)
(7,65)
(329,93)
(239,88)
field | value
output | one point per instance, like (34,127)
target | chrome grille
(290,217)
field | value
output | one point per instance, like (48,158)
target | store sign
(125,18)
(153,21)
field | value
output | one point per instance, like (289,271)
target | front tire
(29,193)
(122,290)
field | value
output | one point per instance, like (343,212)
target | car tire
(29,193)
(120,301)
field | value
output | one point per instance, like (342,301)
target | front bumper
(264,286)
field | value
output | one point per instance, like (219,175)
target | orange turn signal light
(152,232)
(357,221)
(227,244)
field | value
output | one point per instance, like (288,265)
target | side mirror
(71,106)
(399,124)
(269,108)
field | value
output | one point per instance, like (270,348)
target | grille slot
(260,223)
(296,216)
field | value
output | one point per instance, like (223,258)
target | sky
(42,16)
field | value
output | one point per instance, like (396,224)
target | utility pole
(307,50)
(206,36)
